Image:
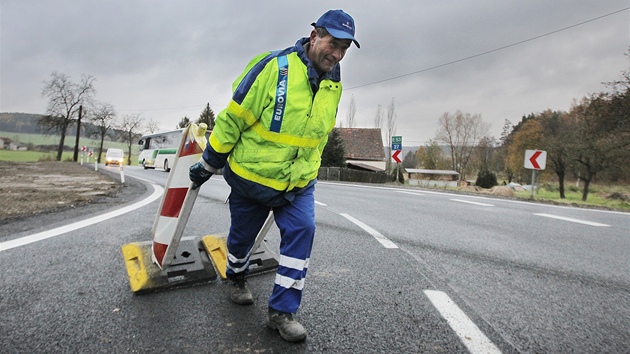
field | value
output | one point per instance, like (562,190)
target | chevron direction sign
(535,159)
(395,156)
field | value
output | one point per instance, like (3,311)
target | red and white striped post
(178,199)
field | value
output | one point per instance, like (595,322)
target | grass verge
(600,196)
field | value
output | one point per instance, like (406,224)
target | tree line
(591,140)
(70,103)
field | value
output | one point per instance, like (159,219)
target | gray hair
(321,31)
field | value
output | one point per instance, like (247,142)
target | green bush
(486,179)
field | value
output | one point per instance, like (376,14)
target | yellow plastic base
(262,260)
(216,248)
(190,266)
(138,262)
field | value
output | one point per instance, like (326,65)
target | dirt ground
(30,188)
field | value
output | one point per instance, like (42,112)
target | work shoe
(239,292)
(290,329)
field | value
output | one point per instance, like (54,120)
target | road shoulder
(132,190)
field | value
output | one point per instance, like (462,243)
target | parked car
(114,157)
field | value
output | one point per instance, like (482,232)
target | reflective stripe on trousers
(296,222)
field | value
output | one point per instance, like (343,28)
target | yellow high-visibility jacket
(274,130)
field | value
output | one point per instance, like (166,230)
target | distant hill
(405,150)
(26,123)
(20,123)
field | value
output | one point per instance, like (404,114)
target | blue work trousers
(296,222)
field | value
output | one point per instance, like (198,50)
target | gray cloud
(167,59)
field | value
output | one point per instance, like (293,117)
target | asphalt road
(393,271)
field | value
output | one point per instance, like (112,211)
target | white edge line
(7,245)
(412,193)
(377,235)
(480,197)
(470,202)
(467,331)
(591,223)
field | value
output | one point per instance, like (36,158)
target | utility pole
(76,143)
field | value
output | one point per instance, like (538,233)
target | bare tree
(502,151)
(352,110)
(65,97)
(603,136)
(378,117)
(103,116)
(461,132)
(483,155)
(391,130)
(558,133)
(152,126)
(430,156)
(130,124)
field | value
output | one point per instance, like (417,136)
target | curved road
(393,270)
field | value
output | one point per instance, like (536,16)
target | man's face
(325,52)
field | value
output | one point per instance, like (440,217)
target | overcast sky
(165,59)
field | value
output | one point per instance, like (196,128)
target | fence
(350,175)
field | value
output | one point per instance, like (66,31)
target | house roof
(363,166)
(362,143)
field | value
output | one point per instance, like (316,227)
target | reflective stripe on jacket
(277,123)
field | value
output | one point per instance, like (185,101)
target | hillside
(26,123)
(20,123)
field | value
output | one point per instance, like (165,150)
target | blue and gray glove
(200,173)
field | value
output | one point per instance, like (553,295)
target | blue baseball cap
(339,24)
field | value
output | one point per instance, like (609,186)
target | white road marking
(7,245)
(412,193)
(464,327)
(377,235)
(477,197)
(320,203)
(469,202)
(591,223)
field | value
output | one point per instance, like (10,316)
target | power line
(490,51)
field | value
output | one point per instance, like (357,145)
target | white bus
(158,150)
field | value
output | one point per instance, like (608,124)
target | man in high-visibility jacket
(269,142)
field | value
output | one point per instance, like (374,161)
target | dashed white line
(591,223)
(464,327)
(320,203)
(7,245)
(469,202)
(377,235)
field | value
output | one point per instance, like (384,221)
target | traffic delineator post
(169,260)
(122,174)
(179,197)
(165,262)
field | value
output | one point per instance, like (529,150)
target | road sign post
(535,160)
(395,156)
(397,142)
(397,148)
